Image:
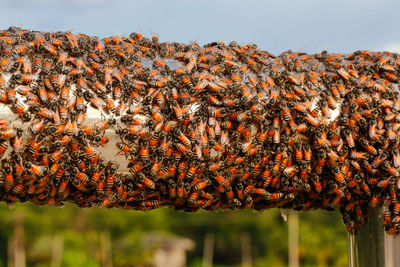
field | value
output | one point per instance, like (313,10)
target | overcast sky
(278,25)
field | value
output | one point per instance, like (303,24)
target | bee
(307,153)
(182,138)
(320,162)
(18,188)
(56,156)
(151,204)
(37,63)
(109,182)
(17,144)
(276,136)
(370,149)
(372,133)
(9,133)
(144,151)
(389,169)
(222,180)
(36,170)
(191,172)
(358,155)
(100,185)
(79,185)
(125,149)
(396,157)
(3,147)
(338,175)
(147,182)
(82,177)
(110,106)
(182,148)
(8,177)
(90,152)
(349,138)
(155,168)
(298,152)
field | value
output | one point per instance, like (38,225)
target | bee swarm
(213,127)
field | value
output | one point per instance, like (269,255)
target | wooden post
(57,251)
(246,250)
(293,239)
(208,250)
(106,250)
(16,247)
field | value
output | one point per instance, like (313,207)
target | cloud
(390,47)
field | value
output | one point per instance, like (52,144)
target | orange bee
(222,180)
(146,181)
(36,170)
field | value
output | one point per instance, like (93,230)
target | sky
(276,26)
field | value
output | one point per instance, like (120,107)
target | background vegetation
(323,239)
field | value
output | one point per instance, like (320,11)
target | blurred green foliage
(323,239)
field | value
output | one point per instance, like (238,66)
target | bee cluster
(213,127)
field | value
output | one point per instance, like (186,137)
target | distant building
(168,251)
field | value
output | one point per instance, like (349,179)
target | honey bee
(147,182)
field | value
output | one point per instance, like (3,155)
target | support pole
(208,251)
(57,251)
(293,226)
(372,246)
(18,247)
(246,249)
(106,249)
